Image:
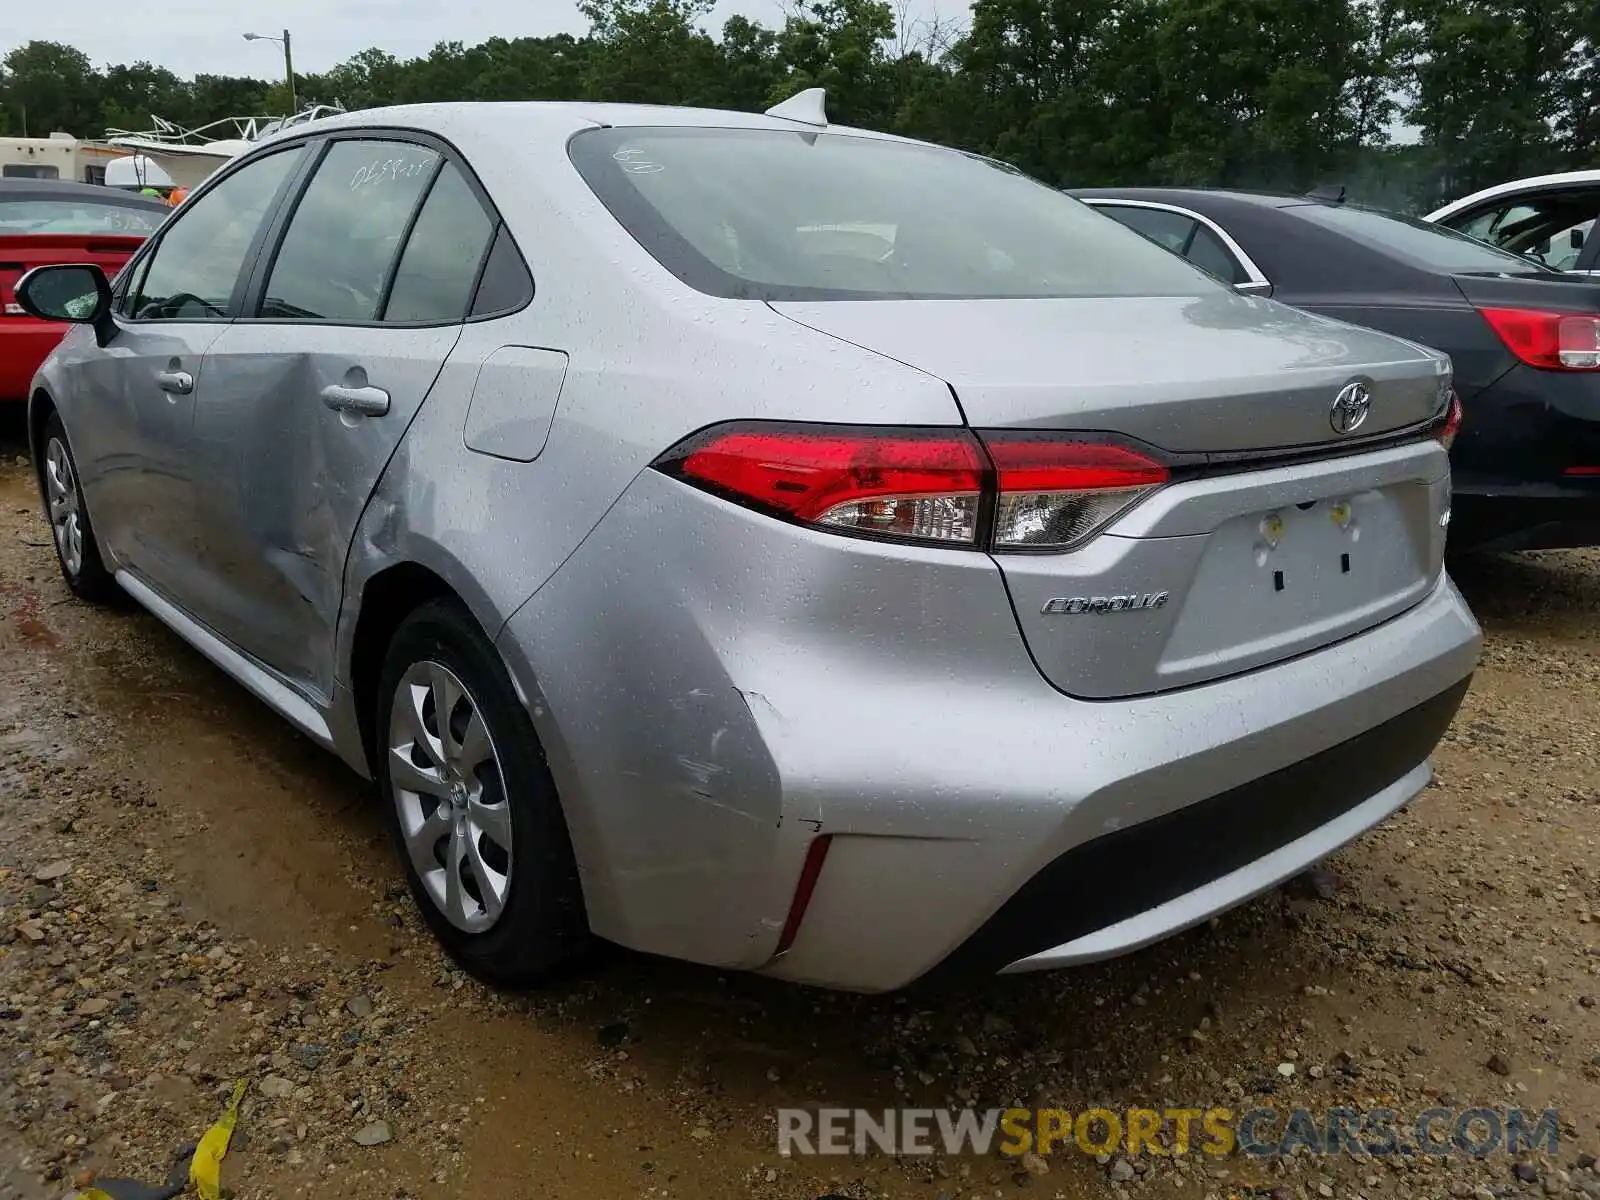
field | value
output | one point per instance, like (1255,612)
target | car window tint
(197,262)
(774,214)
(1430,246)
(506,284)
(346,231)
(440,265)
(1168,229)
(1207,252)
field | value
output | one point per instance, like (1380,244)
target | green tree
(650,52)
(50,87)
(841,45)
(1488,81)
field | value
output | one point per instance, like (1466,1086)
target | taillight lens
(1554,341)
(1057,494)
(1009,492)
(920,485)
(1452,421)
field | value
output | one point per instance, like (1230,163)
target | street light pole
(288,63)
(288,70)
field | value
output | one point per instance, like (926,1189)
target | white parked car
(1548,218)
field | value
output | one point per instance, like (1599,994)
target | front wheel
(77,552)
(472,807)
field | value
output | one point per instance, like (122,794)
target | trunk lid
(1581,293)
(1244,558)
(1219,372)
(21,253)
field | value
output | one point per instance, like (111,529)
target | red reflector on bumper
(815,854)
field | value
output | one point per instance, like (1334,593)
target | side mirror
(1253,287)
(1575,238)
(78,293)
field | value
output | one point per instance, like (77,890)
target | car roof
(59,189)
(520,123)
(1533,183)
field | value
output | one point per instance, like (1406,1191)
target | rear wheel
(471,805)
(77,552)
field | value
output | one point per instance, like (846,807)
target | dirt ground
(190,894)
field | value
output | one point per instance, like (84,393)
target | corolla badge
(1350,408)
(1071,606)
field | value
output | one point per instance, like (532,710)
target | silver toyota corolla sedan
(775,545)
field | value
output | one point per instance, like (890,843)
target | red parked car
(43,222)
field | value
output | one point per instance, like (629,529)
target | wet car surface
(230,897)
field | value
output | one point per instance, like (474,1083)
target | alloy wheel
(66,516)
(449,792)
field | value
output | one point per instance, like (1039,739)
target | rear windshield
(77,216)
(773,215)
(1431,246)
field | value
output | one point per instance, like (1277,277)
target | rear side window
(1429,246)
(1165,228)
(506,284)
(193,269)
(346,232)
(777,215)
(443,255)
(1207,252)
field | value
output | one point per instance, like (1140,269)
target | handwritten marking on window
(632,159)
(389,170)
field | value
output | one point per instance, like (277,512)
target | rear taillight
(1452,421)
(944,486)
(1054,494)
(1554,341)
(924,485)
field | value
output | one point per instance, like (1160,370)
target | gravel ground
(192,894)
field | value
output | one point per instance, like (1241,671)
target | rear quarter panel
(650,361)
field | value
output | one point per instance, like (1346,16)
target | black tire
(85,572)
(541,930)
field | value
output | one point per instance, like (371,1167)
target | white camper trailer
(59,156)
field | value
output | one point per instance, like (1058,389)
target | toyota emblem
(1350,408)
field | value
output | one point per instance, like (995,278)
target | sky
(194,36)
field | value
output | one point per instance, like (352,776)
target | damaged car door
(346,326)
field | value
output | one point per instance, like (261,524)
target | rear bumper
(24,344)
(1127,889)
(710,704)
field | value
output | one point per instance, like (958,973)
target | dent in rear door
(288,476)
(353,319)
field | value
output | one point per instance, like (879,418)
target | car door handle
(179,382)
(364,401)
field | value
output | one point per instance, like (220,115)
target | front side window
(346,232)
(437,272)
(1551,230)
(774,215)
(193,270)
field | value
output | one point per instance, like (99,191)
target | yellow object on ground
(205,1171)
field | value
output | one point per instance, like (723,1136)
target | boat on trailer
(189,156)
